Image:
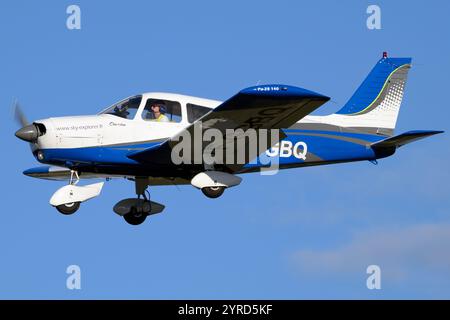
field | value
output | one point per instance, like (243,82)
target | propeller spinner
(28,132)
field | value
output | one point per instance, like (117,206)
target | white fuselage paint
(107,130)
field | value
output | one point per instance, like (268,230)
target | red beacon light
(384,55)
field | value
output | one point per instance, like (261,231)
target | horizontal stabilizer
(404,138)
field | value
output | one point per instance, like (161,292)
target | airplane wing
(63,174)
(59,173)
(259,107)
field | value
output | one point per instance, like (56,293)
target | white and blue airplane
(135,137)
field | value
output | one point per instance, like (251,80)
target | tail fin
(375,105)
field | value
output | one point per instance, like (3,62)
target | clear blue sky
(304,233)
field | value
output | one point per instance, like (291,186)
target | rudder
(376,103)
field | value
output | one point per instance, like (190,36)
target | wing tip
(425,132)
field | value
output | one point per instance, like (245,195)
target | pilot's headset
(162,108)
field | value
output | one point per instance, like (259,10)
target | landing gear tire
(134,217)
(213,192)
(68,208)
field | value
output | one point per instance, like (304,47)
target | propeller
(19,115)
(29,132)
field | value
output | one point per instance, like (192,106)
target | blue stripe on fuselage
(321,146)
(98,155)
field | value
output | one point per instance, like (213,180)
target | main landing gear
(67,199)
(68,208)
(214,183)
(135,210)
(213,192)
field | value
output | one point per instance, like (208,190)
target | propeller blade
(19,115)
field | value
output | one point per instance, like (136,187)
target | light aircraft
(135,137)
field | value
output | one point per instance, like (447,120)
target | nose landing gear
(135,210)
(134,217)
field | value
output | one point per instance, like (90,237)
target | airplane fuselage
(100,143)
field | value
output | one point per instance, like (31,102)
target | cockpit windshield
(126,108)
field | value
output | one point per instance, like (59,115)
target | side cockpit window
(162,111)
(126,108)
(195,112)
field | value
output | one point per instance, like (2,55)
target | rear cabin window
(195,112)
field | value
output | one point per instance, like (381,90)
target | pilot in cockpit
(159,110)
